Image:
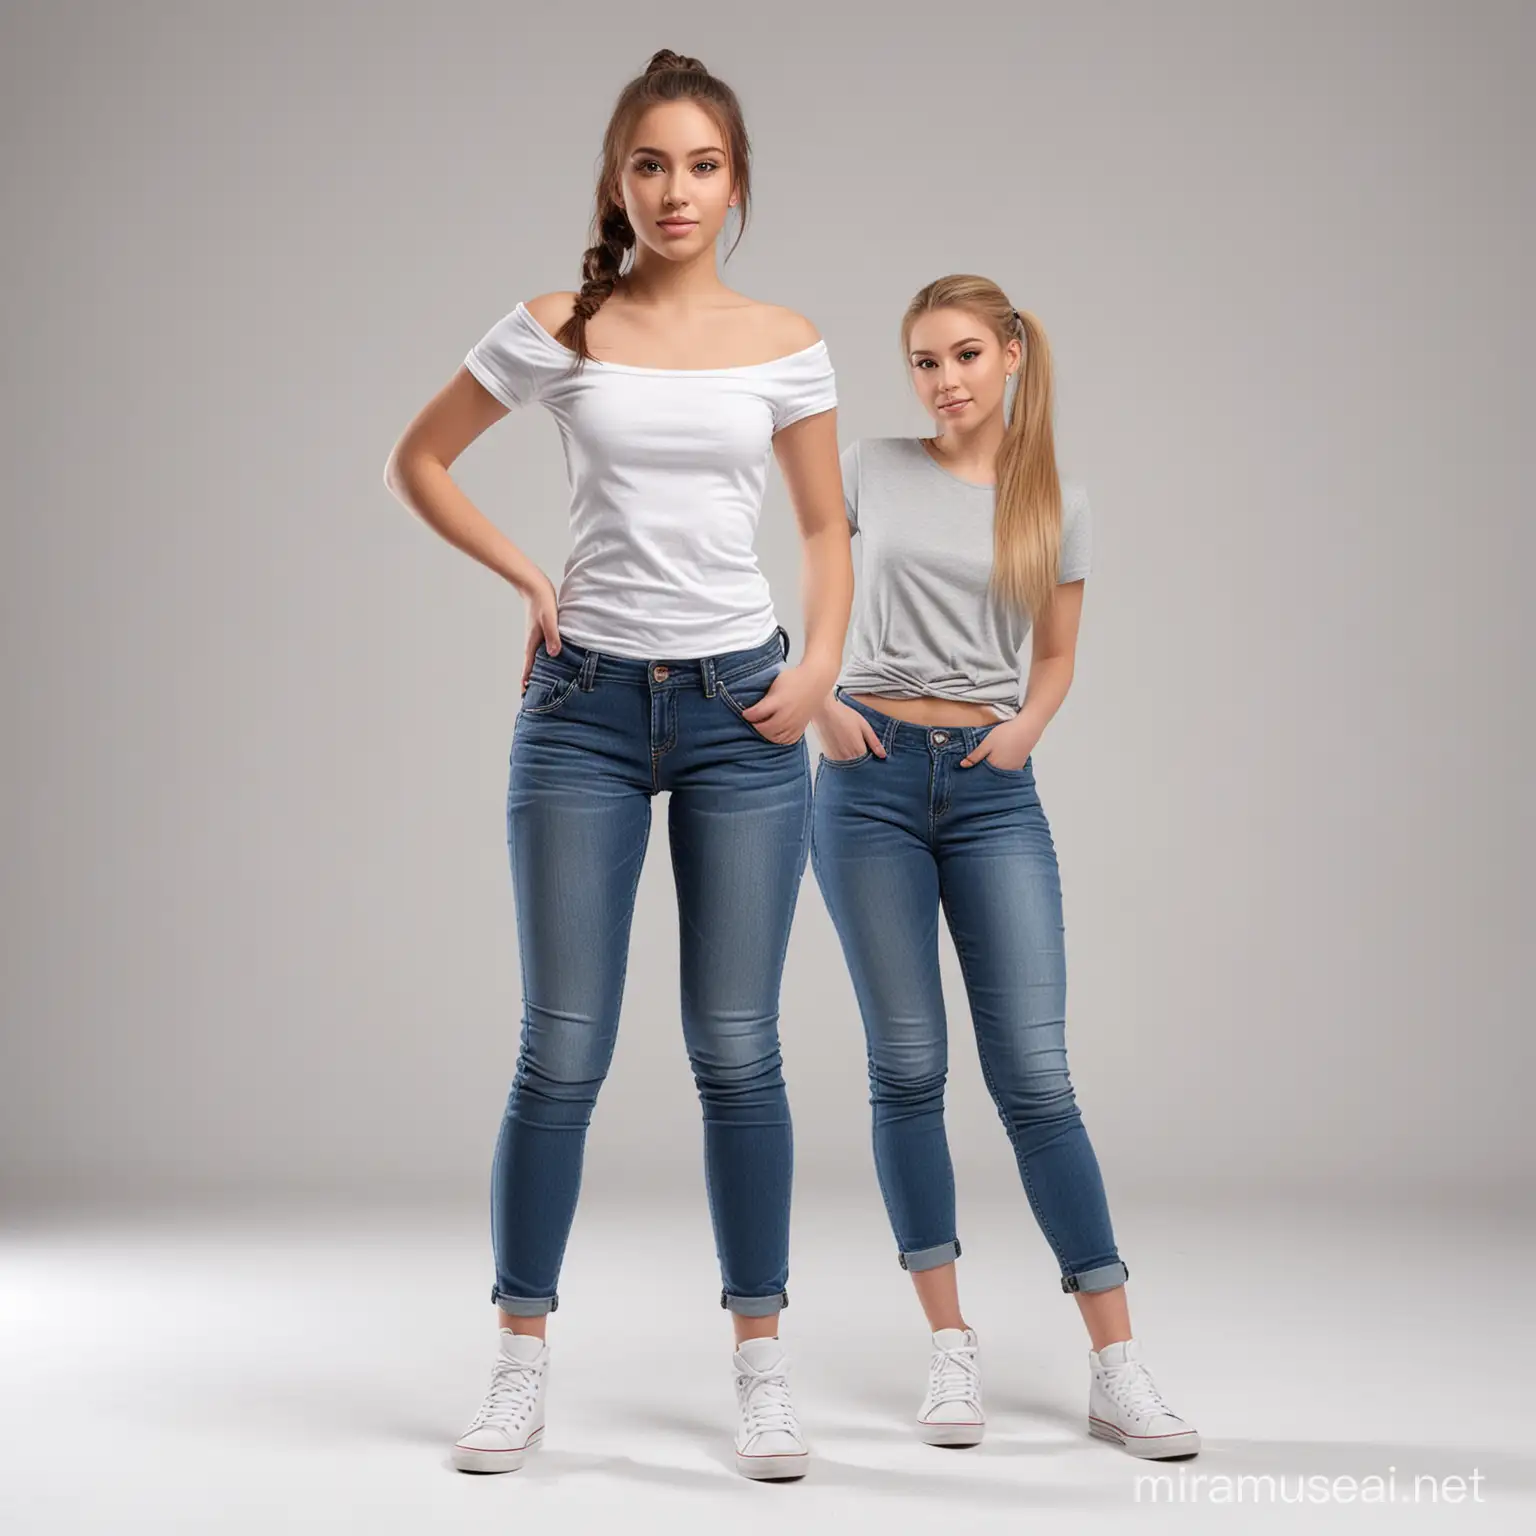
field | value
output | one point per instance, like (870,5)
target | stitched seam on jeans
(802,853)
(736,707)
(874,1132)
(752,669)
(802,848)
(623,976)
(555,702)
(987,1077)
(669,715)
(943,1038)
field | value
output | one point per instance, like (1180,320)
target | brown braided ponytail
(668,77)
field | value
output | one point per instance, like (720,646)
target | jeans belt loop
(783,635)
(707,667)
(588,676)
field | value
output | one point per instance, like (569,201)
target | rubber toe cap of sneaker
(489,1438)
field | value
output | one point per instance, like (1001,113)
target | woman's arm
(1050,676)
(807,454)
(417,473)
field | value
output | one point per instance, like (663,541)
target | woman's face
(675,182)
(959,367)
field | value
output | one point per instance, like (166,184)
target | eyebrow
(661,154)
(963,342)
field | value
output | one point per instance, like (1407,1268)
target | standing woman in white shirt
(658,664)
(926,799)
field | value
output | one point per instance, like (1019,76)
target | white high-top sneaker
(768,1440)
(511,1419)
(1125,1407)
(951,1412)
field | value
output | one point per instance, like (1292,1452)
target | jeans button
(939,738)
(661,674)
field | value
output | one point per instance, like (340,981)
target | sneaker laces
(1131,1386)
(765,1404)
(953,1375)
(513,1391)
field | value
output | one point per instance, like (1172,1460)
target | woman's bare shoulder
(787,329)
(551,310)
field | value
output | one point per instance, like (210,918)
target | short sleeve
(850,463)
(1076,534)
(803,385)
(512,359)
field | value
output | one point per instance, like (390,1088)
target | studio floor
(259,1369)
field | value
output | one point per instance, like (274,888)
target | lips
(677,223)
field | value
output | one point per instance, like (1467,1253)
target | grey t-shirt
(924,622)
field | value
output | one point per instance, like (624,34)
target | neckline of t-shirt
(601,362)
(949,474)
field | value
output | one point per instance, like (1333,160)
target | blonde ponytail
(1026,521)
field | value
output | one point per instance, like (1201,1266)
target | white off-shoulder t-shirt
(667,468)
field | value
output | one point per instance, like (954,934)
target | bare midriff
(930,711)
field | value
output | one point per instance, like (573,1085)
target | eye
(924,362)
(969,352)
(645,165)
(712,164)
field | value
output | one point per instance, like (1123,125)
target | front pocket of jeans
(847,762)
(1015,775)
(753,690)
(546,694)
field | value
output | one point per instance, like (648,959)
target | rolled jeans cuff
(755,1306)
(930,1258)
(524,1306)
(1103,1278)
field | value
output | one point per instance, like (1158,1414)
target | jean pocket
(741,693)
(547,690)
(748,689)
(847,762)
(1014,775)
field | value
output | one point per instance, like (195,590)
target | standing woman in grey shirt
(925,798)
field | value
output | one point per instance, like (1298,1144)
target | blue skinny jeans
(893,841)
(596,738)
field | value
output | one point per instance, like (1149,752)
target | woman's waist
(928,709)
(946,732)
(930,692)
(629,660)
